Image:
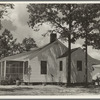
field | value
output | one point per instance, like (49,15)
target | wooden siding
(61,75)
(50,55)
(76,76)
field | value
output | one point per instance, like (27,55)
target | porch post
(1,69)
(1,72)
(4,69)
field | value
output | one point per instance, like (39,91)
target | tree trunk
(69,50)
(86,60)
(69,62)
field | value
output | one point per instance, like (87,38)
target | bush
(8,82)
(4,82)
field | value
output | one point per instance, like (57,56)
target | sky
(17,20)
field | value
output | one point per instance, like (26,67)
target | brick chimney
(53,37)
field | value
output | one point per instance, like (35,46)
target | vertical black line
(86,60)
(69,49)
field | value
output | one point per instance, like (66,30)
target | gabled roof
(66,53)
(90,59)
(44,48)
(32,53)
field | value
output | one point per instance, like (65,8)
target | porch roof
(19,56)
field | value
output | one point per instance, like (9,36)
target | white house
(47,64)
(78,68)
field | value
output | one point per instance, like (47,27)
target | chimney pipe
(53,37)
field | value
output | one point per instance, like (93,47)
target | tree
(6,43)
(95,37)
(4,11)
(18,48)
(28,43)
(62,20)
(88,14)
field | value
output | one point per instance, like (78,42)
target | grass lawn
(47,90)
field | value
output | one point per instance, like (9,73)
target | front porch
(11,69)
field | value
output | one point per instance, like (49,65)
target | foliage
(28,43)
(71,21)
(17,48)
(62,20)
(84,19)
(95,37)
(9,46)
(29,73)
(57,15)
(4,82)
(88,15)
(4,11)
(7,82)
(6,43)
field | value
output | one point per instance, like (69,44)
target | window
(43,67)
(60,65)
(79,65)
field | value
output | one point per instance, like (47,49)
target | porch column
(28,63)
(1,70)
(4,69)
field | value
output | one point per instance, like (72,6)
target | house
(78,68)
(46,64)
(42,61)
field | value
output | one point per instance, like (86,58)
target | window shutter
(26,67)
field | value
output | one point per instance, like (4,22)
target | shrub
(7,82)
(4,82)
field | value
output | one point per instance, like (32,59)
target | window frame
(79,65)
(61,65)
(43,71)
